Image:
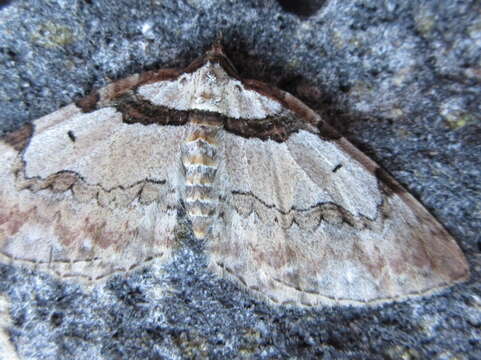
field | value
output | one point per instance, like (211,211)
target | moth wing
(308,222)
(86,195)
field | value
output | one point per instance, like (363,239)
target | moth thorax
(199,157)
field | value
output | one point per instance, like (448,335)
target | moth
(286,207)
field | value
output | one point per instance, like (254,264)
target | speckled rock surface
(401,79)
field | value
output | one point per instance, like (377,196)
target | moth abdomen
(199,158)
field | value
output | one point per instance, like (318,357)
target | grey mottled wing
(86,195)
(310,222)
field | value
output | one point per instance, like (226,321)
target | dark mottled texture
(387,184)
(71,135)
(136,110)
(19,138)
(400,79)
(88,103)
(276,128)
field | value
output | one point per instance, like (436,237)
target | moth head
(216,55)
(213,81)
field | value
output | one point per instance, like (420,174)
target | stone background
(400,78)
